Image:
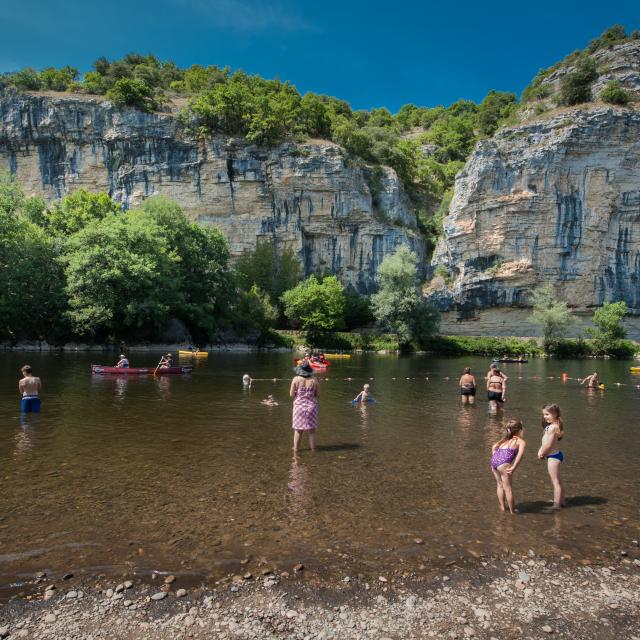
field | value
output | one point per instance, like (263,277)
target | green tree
(551,314)
(316,306)
(253,315)
(575,87)
(120,278)
(608,331)
(613,93)
(399,306)
(357,310)
(76,210)
(200,276)
(31,281)
(58,79)
(272,270)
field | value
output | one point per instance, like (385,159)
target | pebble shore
(499,599)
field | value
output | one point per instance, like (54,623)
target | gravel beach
(518,597)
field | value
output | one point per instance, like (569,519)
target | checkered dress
(305,409)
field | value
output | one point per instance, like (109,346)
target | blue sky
(370,53)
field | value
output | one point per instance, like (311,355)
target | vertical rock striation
(555,200)
(305,196)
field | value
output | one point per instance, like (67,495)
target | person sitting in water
(591,381)
(364,395)
(29,388)
(269,401)
(246,380)
(123,363)
(467,387)
(321,359)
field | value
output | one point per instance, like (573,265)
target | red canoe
(98,368)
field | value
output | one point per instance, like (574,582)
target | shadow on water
(543,506)
(344,446)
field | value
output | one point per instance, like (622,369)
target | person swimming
(246,380)
(269,401)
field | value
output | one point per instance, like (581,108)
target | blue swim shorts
(31,404)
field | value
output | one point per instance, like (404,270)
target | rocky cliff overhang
(309,197)
(557,200)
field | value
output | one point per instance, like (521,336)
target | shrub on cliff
(399,306)
(575,87)
(132,92)
(613,93)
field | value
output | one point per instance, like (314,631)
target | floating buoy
(601,386)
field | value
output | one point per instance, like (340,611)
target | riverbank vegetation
(85,270)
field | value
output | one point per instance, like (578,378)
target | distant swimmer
(123,363)
(364,395)
(269,401)
(246,380)
(29,388)
(592,381)
(467,387)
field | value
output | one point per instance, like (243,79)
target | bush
(551,314)
(613,93)
(58,79)
(27,79)
(575,87)
(484,346)
(132,93)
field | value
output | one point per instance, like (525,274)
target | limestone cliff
(309,196)
(554,200)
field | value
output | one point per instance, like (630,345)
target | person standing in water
(506,455)
(304,391)
(29,387)
(467,387)
(364,395)
(496,388)
(591,381)
(553,431)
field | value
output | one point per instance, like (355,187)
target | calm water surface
(191,474)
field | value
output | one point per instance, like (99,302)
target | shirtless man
(29,388)
(591,381)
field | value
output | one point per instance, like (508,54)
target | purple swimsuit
(503,456)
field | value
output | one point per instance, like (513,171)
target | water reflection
(23,437)
(298,489)
(164,386)
(121,387)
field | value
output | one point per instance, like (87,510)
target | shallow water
(191,474)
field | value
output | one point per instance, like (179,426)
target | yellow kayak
(346,355)
(193,354)
(634,369)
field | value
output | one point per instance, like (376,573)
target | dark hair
(512,427)
(467,370)
(554,410)
(26,369)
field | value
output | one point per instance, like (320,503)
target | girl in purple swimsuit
(553,431)
(506,456)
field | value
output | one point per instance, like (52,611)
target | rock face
(619,62)
(557,200)
(305,196)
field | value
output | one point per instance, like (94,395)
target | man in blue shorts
(29,388)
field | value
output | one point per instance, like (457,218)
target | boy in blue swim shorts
(29,388)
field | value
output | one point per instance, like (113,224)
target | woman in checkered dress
(304,391)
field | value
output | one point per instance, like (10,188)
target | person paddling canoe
(166,362)
(123,363)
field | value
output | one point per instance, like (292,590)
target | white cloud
(246,15)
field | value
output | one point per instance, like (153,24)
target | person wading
(304,391)
(29,388)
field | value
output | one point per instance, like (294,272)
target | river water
(191,474)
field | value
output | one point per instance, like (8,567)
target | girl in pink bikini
(506,456)
(304,391)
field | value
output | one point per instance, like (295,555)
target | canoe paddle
(159,363)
